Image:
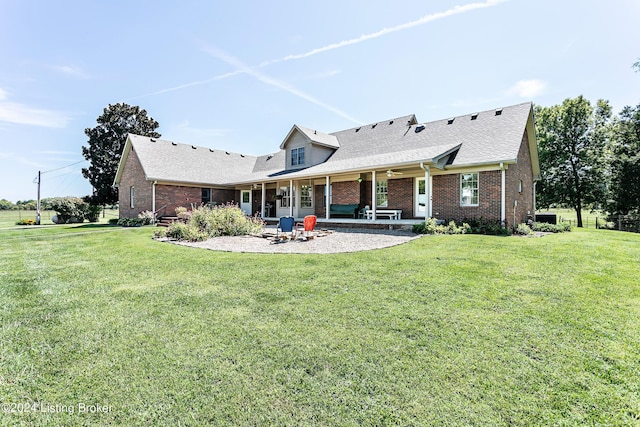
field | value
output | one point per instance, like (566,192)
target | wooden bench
(336,209)
(390,213)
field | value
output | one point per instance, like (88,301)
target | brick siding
(522,170)
(133,176)
(446,197)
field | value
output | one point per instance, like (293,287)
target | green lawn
(445,330)
(8,218)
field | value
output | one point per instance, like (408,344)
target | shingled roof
(487,137)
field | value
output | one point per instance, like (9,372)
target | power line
(63,167)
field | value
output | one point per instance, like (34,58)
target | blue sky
(237,75)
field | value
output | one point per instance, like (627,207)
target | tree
(572,141)
(106,142)
(624,196)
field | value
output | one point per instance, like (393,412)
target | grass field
(8,218)
(445,330)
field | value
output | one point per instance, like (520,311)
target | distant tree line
(25,205)
(589,158)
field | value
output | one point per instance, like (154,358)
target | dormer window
(297,156)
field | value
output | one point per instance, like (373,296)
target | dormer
(307,147)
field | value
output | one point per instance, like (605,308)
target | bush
(113,221)
(26,222)
(92,213)
(146,217)
(431,226)
(551,228)
(222,220)
(68,208)
(130,222)
(523,230)
(487,226)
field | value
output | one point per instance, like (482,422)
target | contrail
(243,68)
(425,19)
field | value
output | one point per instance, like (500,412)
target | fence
(616,222)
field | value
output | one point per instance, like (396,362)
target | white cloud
(71,71)
(528,88)
(21,114)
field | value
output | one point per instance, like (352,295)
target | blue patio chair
(285,225)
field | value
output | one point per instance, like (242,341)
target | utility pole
(38,205)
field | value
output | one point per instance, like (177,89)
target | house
(483,164)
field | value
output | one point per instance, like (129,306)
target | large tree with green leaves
(624,191)
(572,140)
(106,142)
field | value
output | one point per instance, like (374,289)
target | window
(324,195)
(382,194)
(469,189)
(246,197)
(206,196)
(519,186)
(306,201)
(297,156)
(286,197)
(131,197)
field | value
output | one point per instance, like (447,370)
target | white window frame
(132,198)
(382,193)
(297,156)
(306,196)
(475,191)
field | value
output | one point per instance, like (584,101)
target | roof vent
(450,121)
(193,146)
(174,144)
(357,129)
(152,139)
(474,116)
(211,150)
(241,155)
(391,122)
(373,126)
(409,122)
(315,132)
(227,153)
(419,128)
(498,111)
(269,157)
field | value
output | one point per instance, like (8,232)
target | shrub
(69,209)
(431,226)
(222,220)
(130,222)
(523,230)
(146,217)
(113,221)
(551,228)
(92,213)
(26,222)
(487,226)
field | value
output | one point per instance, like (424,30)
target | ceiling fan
(391,173)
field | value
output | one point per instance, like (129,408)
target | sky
(237,75)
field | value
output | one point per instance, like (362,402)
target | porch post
(427,192)
(327,197)
(264,199)
(373,196)
(291,197)
(153,200)
(503,205)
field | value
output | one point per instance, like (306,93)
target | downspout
(427,190)
(503,207)
(153,200)
(533,215)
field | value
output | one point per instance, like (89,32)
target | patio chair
(285,225)
(309,224)
(362,213)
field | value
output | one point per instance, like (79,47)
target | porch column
(264,199)
(503,206)
(291,197)
(153,200)
(327,197)
(373,195)
(427,192)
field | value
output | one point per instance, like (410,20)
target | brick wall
(521,171)
(446,197)
(401,195)
(346,192)
(174,196)
(133,176)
